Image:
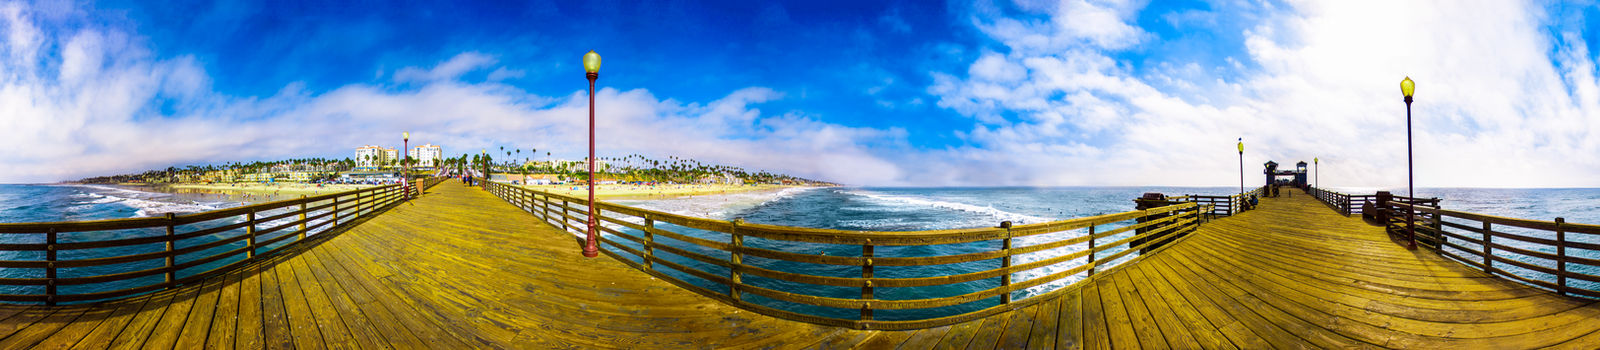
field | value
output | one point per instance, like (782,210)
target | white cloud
(451,69)
(1500,103)
(504,73)
(93,103)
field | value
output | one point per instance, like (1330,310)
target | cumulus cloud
(1508,95)
(96,101)
(450,69)
(1501,100)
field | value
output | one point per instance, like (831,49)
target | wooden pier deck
(458,268)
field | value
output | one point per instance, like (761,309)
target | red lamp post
(591,64)
(405,167)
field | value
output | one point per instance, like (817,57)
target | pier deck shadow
(459,268)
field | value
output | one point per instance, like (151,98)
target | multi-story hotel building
(427,156)
(374,157)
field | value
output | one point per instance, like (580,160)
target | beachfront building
(391,157)
(427,156)
(374,157)
(577,165)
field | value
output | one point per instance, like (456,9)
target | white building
(370,156)
(391,157)
(426,155)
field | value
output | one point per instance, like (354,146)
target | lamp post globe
(1407,87)
(591,67)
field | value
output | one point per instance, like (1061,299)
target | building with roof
(427,156)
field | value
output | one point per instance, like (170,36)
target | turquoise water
(42,203)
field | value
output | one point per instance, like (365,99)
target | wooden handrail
(302,217)
(1481,237)
(721,253)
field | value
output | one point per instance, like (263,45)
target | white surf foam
(716,206)
(990,211)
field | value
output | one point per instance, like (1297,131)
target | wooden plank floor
(458,268)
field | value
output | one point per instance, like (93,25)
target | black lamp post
(1406,88)
(591,64)
(1241,166)
(1316,172)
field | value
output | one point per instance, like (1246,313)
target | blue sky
(916,93)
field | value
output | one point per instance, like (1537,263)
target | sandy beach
(259,189)
(651,192)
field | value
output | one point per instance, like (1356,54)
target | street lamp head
(405,135)
(1407,87)
(591,62)
(1241,145)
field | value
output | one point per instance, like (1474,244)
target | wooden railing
(1538,253)
(1346,204)
(1221,205)
(768,269)
(59,262)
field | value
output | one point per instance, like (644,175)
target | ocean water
(912,209)
(50,203)
(41,203)
(874,209)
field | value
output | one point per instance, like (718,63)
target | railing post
(171,275)
(357,213)
(1488,264)
(50,268)
(335,210)
(649,242)
(564,213)
(302,217)
(737,259)
(1347,205)
(1005,264)
(1561,252)
(250,230)
(866,288)
(1091,250)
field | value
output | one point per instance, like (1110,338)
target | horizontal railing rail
(1347,204)
(1228,205)
(56,262)
(773,269)
(1554,255)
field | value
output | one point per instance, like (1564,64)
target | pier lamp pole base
(589,248)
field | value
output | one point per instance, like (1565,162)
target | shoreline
(648,192)
(243,193)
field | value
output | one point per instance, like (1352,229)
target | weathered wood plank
(108,329)
(1095,333)
(341,328)
(27,337)
(1017,330)
(1069,327)
(225,318)
(960,335)
(275,330)
(197,326)
(1119,325)
(1043,335)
